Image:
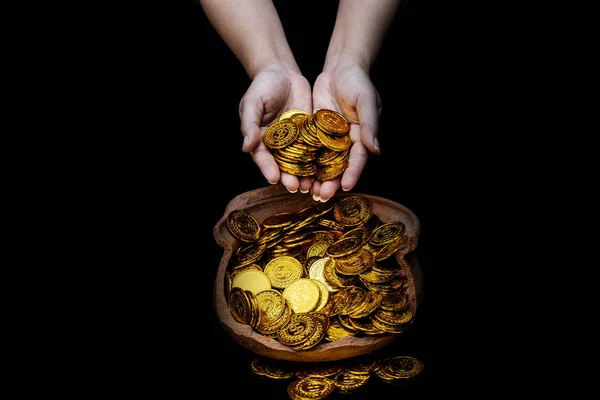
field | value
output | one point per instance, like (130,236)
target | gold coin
(366,326)
(271,304)
(248,254)
(401,367)
(390,248)
(280,134)
(387,232)
(356,263)
(321,323)
(369,305)
(299,328)
(363,232)
(358,295)
(283,270)
(302,295)
(340,301)
(311,387)
(362,364)
(344,247)
(253,280)
(279,220)
(243,225)
(374,276)
(276,369)
(393,317)
(272,327)
(236,269)
(352,211)
(318,249)
(317,272)
(324,294)
(256,365)
(394,301)
(332,121)
(337,331)
(289,113)
(337,143)
(240,306)
(347,381)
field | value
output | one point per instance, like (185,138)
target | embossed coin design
(280,134)
(243,225)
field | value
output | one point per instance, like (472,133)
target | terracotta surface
(264,202)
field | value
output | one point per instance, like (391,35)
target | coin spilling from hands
(315,145)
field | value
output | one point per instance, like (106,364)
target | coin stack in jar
(323,273)
(316,145)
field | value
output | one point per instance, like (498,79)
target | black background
(182,164)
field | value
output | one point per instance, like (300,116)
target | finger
(305,184)
(316,190)
(357,160)
(290,181)
(266,163)
(328,188)
(369,110)
(250,119)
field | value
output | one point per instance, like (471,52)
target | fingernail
(245,141)
(344,189)
(273,183)
(323,200)
(376,145)
(316,198)
(304,191)
(294,191)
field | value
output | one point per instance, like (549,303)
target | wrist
(347,58)
(281,62)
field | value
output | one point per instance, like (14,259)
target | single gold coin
(243,225)
(283,270)
(347,381)
(352,210)
(356,263)
(299,328)
(324,294)
(332,122)
(302,295)
(401,367)
(344,247)
(280,134)
(387,232)
(289,113)
(240,306)
(336,331)
(321,324)
(318,248)
(311,387)
(336,143)
(253,280)
(271,304)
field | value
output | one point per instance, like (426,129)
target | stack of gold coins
(319,274)
(316,145)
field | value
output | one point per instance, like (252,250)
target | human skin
(345,85)
(254,33)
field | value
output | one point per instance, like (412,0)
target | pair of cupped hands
(347,90)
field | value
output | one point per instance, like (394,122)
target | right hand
(274,90)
